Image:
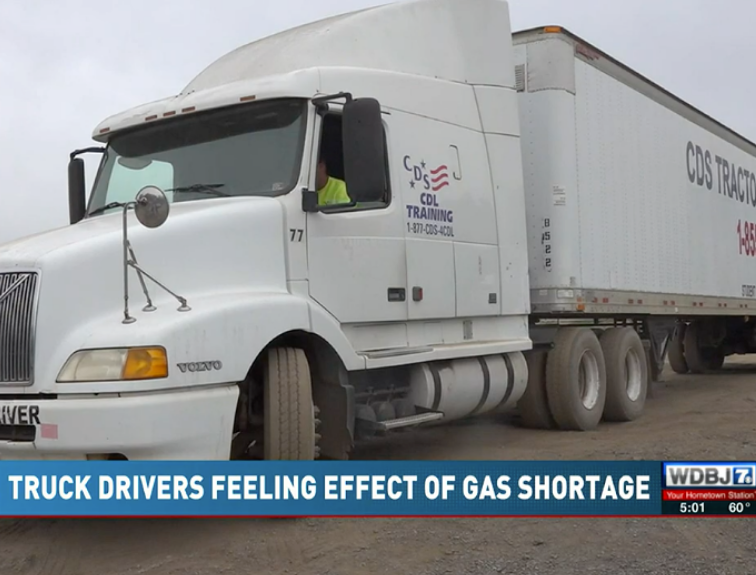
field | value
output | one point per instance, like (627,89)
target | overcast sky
(65,65)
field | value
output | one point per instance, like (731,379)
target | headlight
(127,364)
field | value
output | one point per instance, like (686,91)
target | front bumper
(195,424)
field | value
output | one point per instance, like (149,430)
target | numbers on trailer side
(546,242)
(747,238)
(296,234)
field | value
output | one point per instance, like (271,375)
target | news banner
(376,489)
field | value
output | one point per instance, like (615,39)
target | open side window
(332,152)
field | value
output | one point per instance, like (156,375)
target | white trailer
(530,223)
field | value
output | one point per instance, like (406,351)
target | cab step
(403,422)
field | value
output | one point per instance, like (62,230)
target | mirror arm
(321,102)
(152,210)
(96,149)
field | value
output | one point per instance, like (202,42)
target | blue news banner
(373,488)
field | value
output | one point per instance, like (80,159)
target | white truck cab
(205,305)
(508,222)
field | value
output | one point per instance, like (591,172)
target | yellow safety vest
(334,192)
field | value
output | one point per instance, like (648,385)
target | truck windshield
(249,150)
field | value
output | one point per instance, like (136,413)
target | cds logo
(430,181)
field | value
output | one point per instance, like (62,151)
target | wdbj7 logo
(713,475)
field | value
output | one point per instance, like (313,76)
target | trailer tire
(676,353)
(576,380)
(627,374)
(290,416)
(534,405)
(695,355)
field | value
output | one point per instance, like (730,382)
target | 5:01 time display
(692,507)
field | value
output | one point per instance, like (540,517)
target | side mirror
(364,150)
(151,207)
(76,192)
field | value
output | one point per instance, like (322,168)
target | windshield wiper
(105,208)
(201,188)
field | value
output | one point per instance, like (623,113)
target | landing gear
(676,353)
(701,355)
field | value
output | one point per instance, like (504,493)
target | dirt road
(702,417)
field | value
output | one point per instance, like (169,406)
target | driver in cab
(331,191)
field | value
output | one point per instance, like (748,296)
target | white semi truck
(531,225)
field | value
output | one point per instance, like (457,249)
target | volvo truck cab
(205,303)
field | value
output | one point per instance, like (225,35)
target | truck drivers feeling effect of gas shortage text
(397,217)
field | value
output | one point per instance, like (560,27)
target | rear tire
(533,405)
(576,380)
(676,353)
(626,374)
(290,416)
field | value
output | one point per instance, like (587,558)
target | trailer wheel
(626,374)
(576,379)
(676,353)
(695,355)
(533,405)
(290,415)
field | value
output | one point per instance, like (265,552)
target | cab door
(452,243)
(356,257)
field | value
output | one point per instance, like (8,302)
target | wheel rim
(633,375)
(589,380)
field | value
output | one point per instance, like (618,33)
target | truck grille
(17,306)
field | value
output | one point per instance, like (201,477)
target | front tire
(290,415)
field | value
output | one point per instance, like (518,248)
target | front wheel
(290,416)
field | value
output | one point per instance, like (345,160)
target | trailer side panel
(659,205)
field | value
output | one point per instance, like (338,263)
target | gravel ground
(690,417)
